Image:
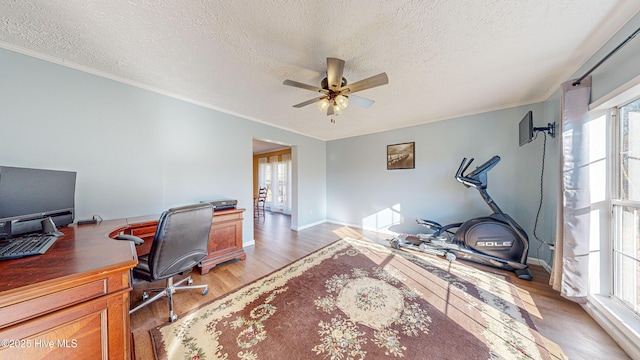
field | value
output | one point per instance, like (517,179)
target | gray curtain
(570,272)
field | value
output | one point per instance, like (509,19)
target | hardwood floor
(570,331)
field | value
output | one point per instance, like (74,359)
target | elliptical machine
(495,240)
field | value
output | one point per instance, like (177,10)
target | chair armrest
(136,240)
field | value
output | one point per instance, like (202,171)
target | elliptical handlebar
(478,177)
(463,167)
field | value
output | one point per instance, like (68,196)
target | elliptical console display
(495,240)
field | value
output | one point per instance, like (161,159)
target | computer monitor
(27,196)
(526,128)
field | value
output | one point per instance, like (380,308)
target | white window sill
(621,323)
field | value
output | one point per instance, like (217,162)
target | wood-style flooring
(570,331)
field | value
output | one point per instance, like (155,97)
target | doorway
(273,169)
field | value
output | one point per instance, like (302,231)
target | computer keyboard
(26,245)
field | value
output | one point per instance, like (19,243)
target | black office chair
(180,243)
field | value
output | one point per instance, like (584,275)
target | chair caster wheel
(145,295)
(173,318)
(205,291)
(395,243)
(190,281)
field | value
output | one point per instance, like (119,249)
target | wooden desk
(73,301)
(225,238)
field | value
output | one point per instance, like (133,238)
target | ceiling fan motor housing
(325,83)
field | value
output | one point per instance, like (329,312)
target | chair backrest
(262,193)
(181,240)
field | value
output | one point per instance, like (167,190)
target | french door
(274,173)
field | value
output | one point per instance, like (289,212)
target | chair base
(168,291)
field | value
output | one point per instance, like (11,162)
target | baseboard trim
(540,262)
(306,226)
(248,243)
(344,224)
(355,226)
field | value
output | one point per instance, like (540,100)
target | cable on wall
(535,226)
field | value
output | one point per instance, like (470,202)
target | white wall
(137,152)
(362,192)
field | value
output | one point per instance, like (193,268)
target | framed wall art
(401,156)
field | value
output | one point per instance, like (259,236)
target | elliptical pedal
(524,274)
(401,241)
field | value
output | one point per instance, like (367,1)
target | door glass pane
(267,182)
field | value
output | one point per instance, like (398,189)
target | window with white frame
(626,207)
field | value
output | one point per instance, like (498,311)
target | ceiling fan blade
(368,83)
(335,69)
(360,101)
(304,86)
(308,102)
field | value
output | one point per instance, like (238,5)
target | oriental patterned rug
(356,299)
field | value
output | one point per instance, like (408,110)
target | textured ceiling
(444,58)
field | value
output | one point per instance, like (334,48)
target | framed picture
(401,156)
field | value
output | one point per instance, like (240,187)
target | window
(614,261)
(626,208)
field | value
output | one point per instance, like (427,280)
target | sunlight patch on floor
(383,219)
(346,231)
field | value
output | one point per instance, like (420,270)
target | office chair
(180,243)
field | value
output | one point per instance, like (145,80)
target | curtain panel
(570,272)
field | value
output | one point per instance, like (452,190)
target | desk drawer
(143,230)
(75,333)
(34,307)
(95,329)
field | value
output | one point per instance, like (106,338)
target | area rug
(356,299)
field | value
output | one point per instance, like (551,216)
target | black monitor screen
(526,129)
(33,194)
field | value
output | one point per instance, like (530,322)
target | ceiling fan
(337,93)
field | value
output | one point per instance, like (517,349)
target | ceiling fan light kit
(336,92)
(341,101)
(323,104)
